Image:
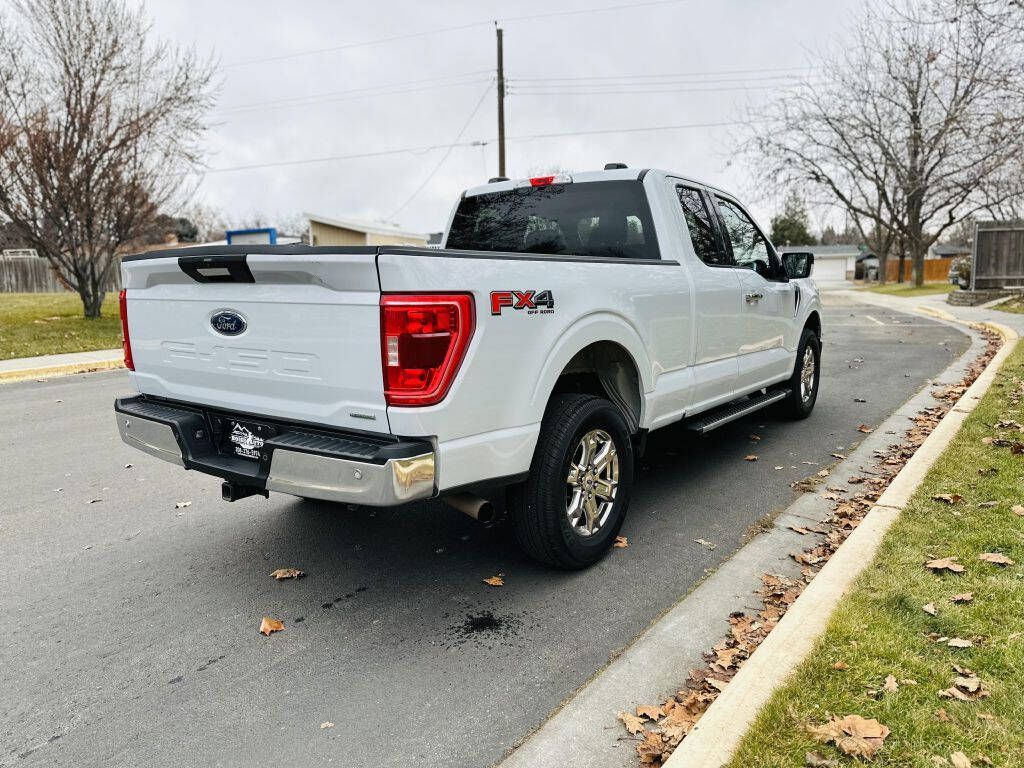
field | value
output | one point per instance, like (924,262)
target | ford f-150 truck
(562,319)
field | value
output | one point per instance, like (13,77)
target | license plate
(246,438)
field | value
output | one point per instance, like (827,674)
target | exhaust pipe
(479,509)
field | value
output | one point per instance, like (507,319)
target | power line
(476,143)
(442,30)
(444,157)
(637,92)
(667,81)
(331,95)
(357,96)
(668,74)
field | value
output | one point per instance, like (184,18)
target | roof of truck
(610,174)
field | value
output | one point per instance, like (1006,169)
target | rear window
(601,218)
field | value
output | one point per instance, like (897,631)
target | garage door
(829,270)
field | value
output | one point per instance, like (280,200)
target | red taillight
(423,340)
(126,342)
(540,181)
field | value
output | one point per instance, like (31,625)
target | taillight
(126,342)
(423,340)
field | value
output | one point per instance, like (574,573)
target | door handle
(753,298)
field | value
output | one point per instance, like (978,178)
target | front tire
(569,510)
(803,384)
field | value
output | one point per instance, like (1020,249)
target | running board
(705,422)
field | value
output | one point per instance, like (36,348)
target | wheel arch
(813,322)
(604,357)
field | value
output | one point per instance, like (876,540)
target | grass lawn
(50,323)
(1015,305)
(880,629)
(909,290)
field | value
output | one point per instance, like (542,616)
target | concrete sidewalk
(73,362)
(937,302)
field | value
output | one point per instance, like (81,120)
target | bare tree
(99,128)
(915,125)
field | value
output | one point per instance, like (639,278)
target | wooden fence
(935,270)
(37,276)
(998,258)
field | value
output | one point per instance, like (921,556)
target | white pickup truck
(563,318)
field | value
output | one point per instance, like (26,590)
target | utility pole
(501,104)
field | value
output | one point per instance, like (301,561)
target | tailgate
(290,335)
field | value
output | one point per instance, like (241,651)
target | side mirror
(798,265)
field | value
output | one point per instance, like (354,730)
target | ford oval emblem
(227,322)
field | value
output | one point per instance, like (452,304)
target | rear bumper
(295,459)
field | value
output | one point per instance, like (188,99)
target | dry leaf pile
(657,737)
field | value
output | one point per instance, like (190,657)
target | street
(130,625)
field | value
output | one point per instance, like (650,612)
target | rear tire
(569,510)
(803,384)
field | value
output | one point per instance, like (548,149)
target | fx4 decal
(533,302)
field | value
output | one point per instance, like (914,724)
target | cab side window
(698,222)
(748,244)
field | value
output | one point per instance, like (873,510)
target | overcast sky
(652,64)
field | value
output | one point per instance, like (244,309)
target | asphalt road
(128,628)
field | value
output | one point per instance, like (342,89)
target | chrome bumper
(376,485)
(179,440)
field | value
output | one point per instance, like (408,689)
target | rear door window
(698,222)
(603,218)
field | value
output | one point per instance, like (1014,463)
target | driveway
(130,626)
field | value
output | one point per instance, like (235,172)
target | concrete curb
(60,370)
(716,736)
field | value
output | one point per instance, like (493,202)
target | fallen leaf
(704,543)
(859,400)
(959,760)
(327,724)
(287,573)
(182,504)
(890,684)
(651,713)
(621,542)
(751,457)
(948,498)
(1018,509)
(929,608)
(755,438)
(957,642)
(995,558)
(865,429)
(495,581)
(633,724)
(945,564)
(988,504)
(823,473)
(838,456)
(818,760)
(941,716)
(966,687)
(269,625)
(94,501)
(853,735)
(718,685)
(964,597)
(840,665)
